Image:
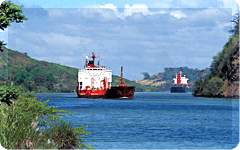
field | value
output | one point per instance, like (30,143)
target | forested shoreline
(223,80)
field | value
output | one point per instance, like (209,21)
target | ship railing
(99,67)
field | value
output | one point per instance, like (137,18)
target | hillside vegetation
(33,75)
(21,70)
(223,80)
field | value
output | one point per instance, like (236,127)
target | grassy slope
(43,76)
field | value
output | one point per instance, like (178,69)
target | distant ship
(180,84)
(96,82)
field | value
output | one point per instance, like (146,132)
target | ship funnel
(121,75)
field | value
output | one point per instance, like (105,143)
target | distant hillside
(21,70)
(162,81)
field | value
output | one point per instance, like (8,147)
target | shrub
(20,124)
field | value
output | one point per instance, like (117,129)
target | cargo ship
(180,84)
(96,82)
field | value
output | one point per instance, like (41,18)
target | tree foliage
(9,13)
(146,75)
(235,30)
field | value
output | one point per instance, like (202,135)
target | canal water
(153,120)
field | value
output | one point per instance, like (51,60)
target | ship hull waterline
(116,92)
(178,89)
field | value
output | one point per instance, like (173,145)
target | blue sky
(143,36)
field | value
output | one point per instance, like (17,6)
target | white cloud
(139,8)
(44,44)
(65,40)
(129,11)
(178,14)
(158,40)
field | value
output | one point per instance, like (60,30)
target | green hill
(21,70)
(162,81)
(223,80)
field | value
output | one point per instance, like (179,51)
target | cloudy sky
(142,36)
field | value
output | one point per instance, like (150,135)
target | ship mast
(90,63)
(86,63)
(121,75)
(93,57)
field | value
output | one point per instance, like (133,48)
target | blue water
(157,120)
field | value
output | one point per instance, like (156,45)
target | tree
(235,30)
(146,75)
(9,13)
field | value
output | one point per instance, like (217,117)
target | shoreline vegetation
(26,123)
(223,79)
(42,76)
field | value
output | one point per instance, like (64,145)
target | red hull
(91,93)
(114,92)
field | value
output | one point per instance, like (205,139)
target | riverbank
(26,123)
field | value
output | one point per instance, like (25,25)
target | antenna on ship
(86,64)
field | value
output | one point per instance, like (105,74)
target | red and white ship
(96,82)
(180,84)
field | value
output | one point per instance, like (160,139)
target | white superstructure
(94,77)
(180,80)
